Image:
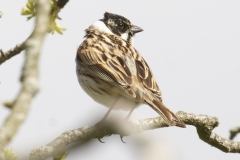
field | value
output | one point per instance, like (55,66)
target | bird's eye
(120,24)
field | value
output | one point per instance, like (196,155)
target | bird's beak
(136,29)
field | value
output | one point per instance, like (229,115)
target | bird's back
(120,61)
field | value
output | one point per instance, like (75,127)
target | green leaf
(30,12)
(30,6)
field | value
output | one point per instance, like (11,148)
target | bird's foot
(122,139)
(99,139)
(101,124)
(124,120)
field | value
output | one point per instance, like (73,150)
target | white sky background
(193,48)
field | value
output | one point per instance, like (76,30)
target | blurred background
(192,48)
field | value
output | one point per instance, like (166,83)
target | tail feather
(169,117)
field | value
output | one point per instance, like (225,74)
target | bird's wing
(149,82)
(146,76)
(105,63)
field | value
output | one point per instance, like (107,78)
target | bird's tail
(169,117)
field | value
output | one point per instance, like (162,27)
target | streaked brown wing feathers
(146,76)
(110,68)
(122,71)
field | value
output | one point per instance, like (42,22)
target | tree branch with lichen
(29,77)
(203,123)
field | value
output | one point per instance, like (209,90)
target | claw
(122,139)
(100,140)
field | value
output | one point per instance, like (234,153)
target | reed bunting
(112,71)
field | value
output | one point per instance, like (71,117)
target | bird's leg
(105,118)
(126,119)
(109,110)
(129,114)
(107,114)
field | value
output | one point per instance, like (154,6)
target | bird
(113,73)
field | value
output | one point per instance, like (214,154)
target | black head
(120,25)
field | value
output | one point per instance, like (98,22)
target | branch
(22,46)
(12,52)
(1,14)
(29,76)
(234,131)
(203,123)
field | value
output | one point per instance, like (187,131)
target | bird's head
(117,25)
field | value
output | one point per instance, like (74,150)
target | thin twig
(12,52)
(29,76)
(203,123)
(1,14)
(233,132)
